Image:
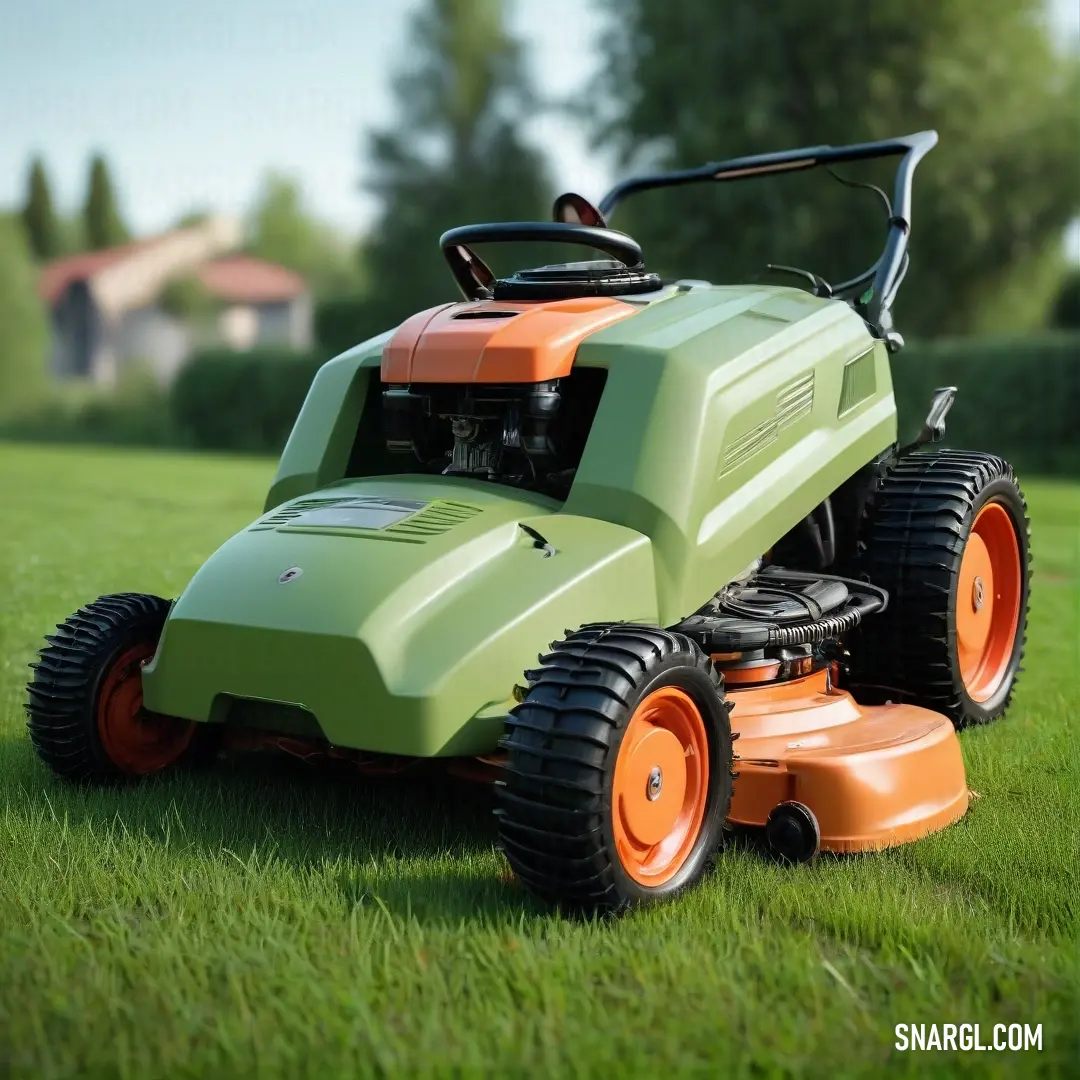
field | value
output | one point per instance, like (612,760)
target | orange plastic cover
(467,343)
(874,776)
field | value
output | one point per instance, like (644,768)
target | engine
(528,435)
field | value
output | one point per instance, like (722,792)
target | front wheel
(618,777)
(85,712)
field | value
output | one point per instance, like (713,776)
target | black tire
(556,809)
(913,540)
(69,679)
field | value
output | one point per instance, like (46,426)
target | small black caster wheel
(792,832)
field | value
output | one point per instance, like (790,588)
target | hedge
(343,321)
(1065,314)
(1018,397)
(135,413)
(243,401)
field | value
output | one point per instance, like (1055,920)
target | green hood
(390,611)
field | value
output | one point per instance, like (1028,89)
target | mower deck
(874,776)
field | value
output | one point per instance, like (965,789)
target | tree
(687,83)
(282,229)
(23,325)
(191,218)
(38,216)
(453,157)
(70,229)
(102,223)
(187,298)
(1065,313)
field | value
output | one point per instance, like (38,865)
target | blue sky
(193,101)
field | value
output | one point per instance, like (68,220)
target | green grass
(274,920)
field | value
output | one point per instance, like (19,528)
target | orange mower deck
(874,776)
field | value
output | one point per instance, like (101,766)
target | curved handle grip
(476,280)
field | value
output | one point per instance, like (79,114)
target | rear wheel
(85,712)
(618,775)
(947,535)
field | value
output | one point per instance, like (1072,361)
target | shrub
(1065,314)
(134,413)
(245,401)
(1018,397)
(344,321)
(24,341)
(187,298)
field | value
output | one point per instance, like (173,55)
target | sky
(193,102)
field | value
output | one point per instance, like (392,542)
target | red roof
(236,279)
(243,279)
(57,275)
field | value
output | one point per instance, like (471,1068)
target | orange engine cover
(874,776)
(493,342)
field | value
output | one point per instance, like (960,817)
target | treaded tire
(70,675)
(556,822)
(913,540)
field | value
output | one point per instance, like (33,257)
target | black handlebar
(871,292)
(476,280)
(885,275)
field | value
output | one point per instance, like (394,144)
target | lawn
(277,920)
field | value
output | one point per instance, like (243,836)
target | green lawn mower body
(727,416)
(557,530)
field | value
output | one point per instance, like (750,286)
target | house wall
(303,318)
(153,337)
(287,323)
(239,327)
(243,326)
(150,335)
(87,345)
(101,325)
(275,324)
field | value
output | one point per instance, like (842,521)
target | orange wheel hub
(661,786)
(988,602)
(136,741)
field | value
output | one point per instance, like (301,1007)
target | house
(109,308)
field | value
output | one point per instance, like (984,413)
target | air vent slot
(293,510)
(437,518)
(405,520)
(794,402)
(860,382)
(486,314)
(747,445)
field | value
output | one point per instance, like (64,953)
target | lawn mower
(558,533)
